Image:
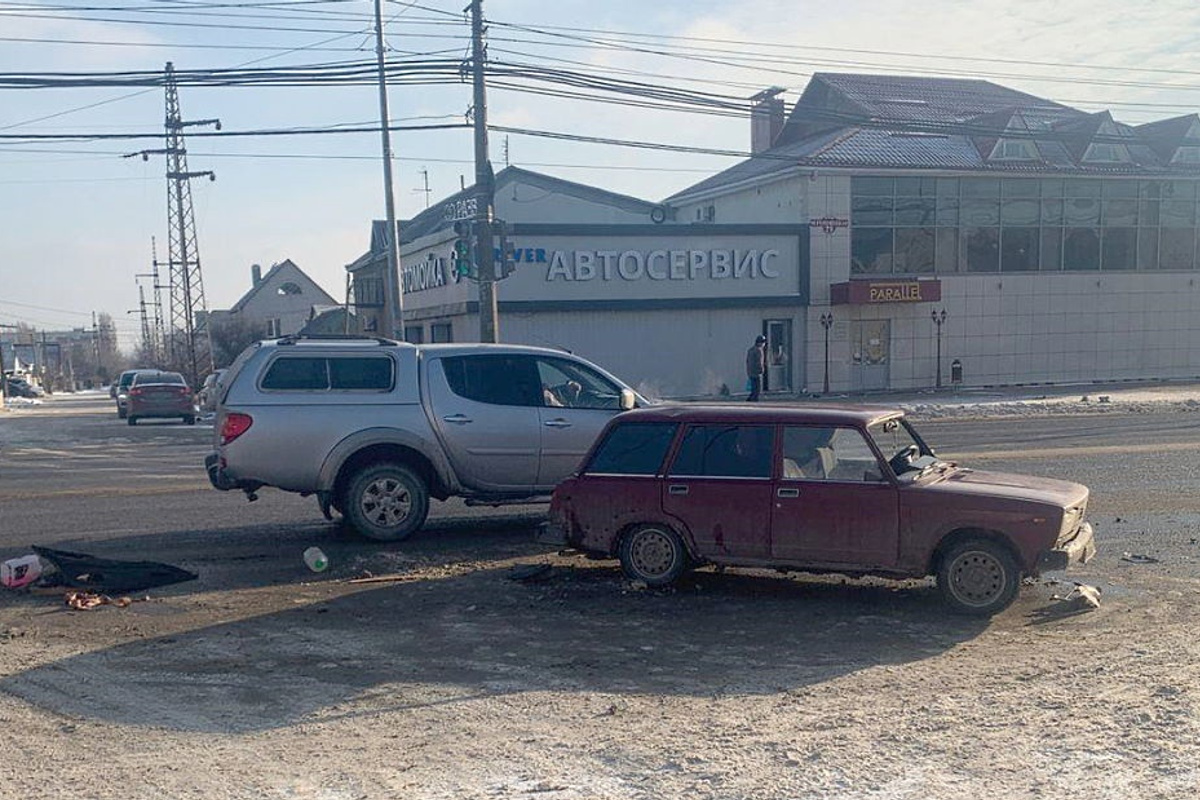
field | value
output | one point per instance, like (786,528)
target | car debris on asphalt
(91,573)
(1082,597)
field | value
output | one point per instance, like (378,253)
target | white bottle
(315,559)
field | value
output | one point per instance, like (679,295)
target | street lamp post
(939,318)
(826,323)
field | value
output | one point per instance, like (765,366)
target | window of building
(1106,152)
(911,226)
(414,334)
(368,292)
(289,288)
(441,333)
(1186,155)
(273,328)
(1014,150)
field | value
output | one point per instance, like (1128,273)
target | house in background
(279,303)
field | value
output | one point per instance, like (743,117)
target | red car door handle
(788,493)
(677,488)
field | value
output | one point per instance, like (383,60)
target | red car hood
(1010,485)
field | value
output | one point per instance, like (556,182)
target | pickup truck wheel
(653,554)
(979,577)
(387,502)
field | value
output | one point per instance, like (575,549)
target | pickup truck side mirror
(628,400)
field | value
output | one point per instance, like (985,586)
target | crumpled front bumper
(1079,549)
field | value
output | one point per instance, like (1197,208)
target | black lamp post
(826,323)
(939,318)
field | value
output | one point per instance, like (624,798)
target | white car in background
(210,391)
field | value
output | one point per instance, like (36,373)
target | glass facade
(919,225)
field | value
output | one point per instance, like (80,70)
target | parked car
(854,491)
(375,428)
(210,391)
(15,386)
(160,394)
(121,390)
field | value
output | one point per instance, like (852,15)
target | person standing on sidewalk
(756,367)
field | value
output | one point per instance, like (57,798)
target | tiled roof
(928,99)
(896,122)
(777,159)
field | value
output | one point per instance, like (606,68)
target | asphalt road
(74,476)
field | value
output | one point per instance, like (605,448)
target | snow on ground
(1082,399)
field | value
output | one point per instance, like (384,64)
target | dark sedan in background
(160,394)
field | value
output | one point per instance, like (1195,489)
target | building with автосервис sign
(897,223)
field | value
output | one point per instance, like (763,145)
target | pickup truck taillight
(234,425)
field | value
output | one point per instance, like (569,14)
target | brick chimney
(766,119)
(255,275)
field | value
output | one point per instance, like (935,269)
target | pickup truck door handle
(788,493)
(557,423)
(457,419)
(677,488)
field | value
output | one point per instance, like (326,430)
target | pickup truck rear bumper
(221,480)
(1077,550)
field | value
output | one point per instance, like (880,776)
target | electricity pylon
(188,341)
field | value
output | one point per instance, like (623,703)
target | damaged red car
(846,490)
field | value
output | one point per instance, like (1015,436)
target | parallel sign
(862,292)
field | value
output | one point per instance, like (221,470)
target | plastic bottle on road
(315,558)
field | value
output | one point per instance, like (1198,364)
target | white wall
(667,353)
(781,201)
(519,202)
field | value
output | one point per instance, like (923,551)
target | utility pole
(189,342)
(485,187)
(393,301)
(3,376)
(426,191)
(158,336)
(147,336)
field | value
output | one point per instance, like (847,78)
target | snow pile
(1133,401)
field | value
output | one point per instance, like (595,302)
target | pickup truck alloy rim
(652,552)
(977,578)
(386,502)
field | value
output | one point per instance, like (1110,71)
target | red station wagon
(854,491)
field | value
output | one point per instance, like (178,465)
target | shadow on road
(437,640)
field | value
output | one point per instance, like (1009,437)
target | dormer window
(1186,155)
(1014,150)
(1104,152)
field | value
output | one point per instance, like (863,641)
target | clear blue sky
(77,218)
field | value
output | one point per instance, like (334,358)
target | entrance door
(779,355)
(870,354)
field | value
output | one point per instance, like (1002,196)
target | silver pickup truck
(374,427)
